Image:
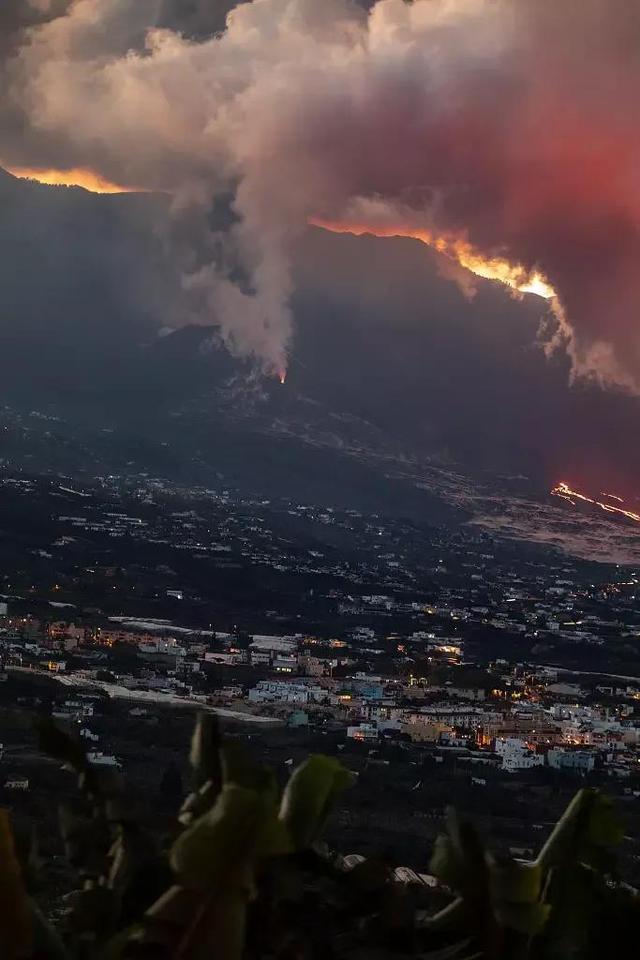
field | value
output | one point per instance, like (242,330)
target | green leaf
(445,863)
(229,927)
(527,918)
(459,859)
(15,916)
(452,915)
(589,822)
(220,849)
(198,802)
(514,882)
(205,753)
(309,796)
(192,926)
(605,828)
(238,767)
(172,907)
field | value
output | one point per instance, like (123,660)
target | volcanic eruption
(501,132)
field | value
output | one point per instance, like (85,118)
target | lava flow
(455,248)
(563,490)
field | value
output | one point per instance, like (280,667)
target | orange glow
(456,248)
(76,177)
(282,376)
(563,490)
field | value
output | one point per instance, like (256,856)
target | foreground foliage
(246,876)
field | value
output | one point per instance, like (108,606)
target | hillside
(398,391)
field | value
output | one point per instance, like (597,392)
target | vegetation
(246,875)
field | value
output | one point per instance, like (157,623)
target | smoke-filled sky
(506,125)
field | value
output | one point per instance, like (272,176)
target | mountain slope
(389,359)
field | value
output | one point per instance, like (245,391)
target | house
(316,666)
(363,731)
(98,759)
(578,761)
(229,692)
(275,646)
(258,657)
(229,659)
(517,755)
(459,693)
(88,735)
(287,691)
(572,690)
(425,732)
(163,647)
(73,710)
(285,664)
(16,783)
(367,688)
(54,666)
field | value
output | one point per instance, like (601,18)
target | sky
(503,134)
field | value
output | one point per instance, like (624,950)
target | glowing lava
(282,376)
(76,177)
(563,490)
(458,249)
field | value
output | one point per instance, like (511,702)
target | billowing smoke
(510,124)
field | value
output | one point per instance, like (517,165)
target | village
(417,687)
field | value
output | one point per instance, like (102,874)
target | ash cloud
(509,123)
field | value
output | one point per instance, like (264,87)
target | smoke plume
(508,124)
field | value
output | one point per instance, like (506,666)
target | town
(510,716)
(440,663)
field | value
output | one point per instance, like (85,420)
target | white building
(275,646)
(258,657)
(230,659)
(16,783)
(88,735)
(286,691)
(363,731)
(99,759)
(285,664)
(516,754)
(580,761)
(169,647)
(73,710)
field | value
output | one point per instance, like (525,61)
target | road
(117,692)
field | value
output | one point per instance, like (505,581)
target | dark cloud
(197,19)
(18,15)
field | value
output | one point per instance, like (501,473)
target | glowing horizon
(73,177)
